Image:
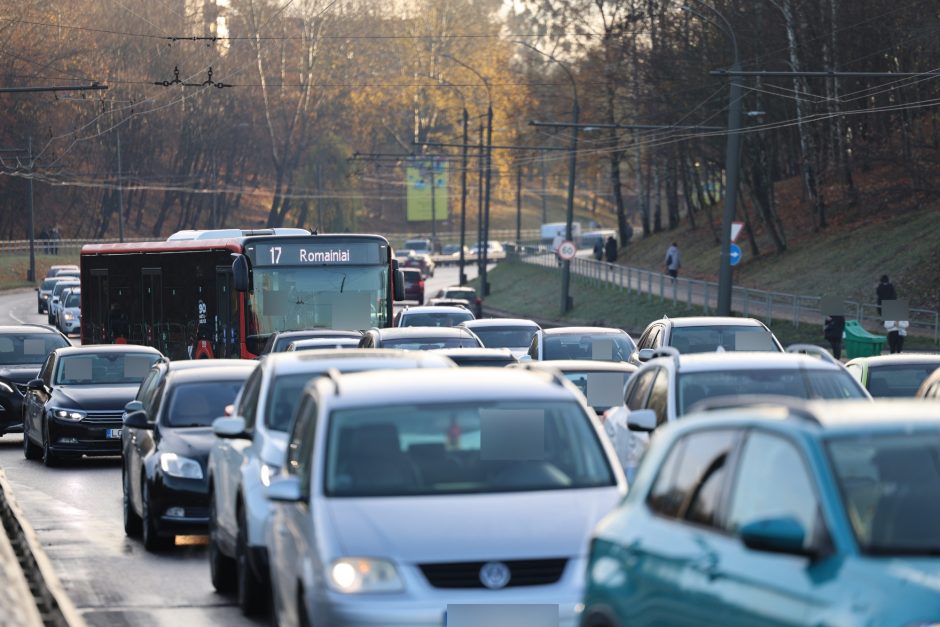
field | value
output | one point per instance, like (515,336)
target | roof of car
(580,365)
(106,348)
(742,360)
(582,331)
(320,361)
(395,333)
(898,359)
(438,309)
(496,354)
(326,341)
(458,288)
(312,333)
(447,386)
(26,328)
(712,321)
(214,371)
(499,322)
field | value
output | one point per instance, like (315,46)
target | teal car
(784,513)
(893,375)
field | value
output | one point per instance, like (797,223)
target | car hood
(20,374)
(93,397)
(519,525)
(192,442)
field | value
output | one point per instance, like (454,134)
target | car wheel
(49,458)
(153,541)
(251,591)
(30,450)
(221,567)
(132,522)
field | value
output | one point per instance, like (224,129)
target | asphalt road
(76,511)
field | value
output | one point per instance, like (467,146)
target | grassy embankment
(14,267)
(531,291)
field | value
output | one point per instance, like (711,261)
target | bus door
(151,305)
(225,335)
(97,305)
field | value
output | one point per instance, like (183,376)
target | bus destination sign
(317,253)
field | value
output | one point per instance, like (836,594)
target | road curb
(55,606)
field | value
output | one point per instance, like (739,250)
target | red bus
(205,294)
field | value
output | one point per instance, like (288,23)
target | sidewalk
(19,606)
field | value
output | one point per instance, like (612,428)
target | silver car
(54,298)
(69,318)
(250,450)
(402,496)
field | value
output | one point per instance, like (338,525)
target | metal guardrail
(765,305)
(57,246)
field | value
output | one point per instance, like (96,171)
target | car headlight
(69,315)
(68,414)
(268,472)
(45,296)
(352,575)
(6,389)
(182,467)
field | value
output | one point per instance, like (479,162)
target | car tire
(222,568)
(133,524)
(153,541)
(49,458)
(30,450)
(251,591)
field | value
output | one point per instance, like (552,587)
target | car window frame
(48,367)
(634,383)
(303,442)
(249,399)
(663,418)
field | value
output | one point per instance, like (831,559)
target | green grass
(14,268)
(530,291)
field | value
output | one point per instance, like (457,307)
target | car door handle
(706,564)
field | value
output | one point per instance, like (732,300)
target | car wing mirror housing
(782,534)
(641,420)
(36,384)
(645,354)
(232,428)
(138,420)
(285,490)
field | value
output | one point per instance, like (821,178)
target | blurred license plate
(112,434)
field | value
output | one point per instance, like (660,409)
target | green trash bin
(861,343)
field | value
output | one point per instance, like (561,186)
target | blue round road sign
(735,253)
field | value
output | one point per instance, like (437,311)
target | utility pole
(482,161)
(120,192)
(463,197)
(518,206)
(433,208)
(484,283)
(544,192)
(32,228)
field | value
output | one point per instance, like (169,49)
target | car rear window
(897,381)
(598,346)
(702,339)
(430,343)
(444,319)
(505,337)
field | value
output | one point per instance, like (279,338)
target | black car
(23,348)
(278,341)
(74,407)
(165,444)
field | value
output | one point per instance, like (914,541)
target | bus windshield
(288,298)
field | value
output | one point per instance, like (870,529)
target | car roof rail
(815,351)
(333,374)
(796,407)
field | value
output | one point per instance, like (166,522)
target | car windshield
(48,284)
(429,343)
(479,447)
(890,488)
(61,285)
(20,349)
(799,383)
(286,391)
(73,300)
(730,338)
(442,319)
(505,337)
(103,368)
(900,380)
(198,404)
(601,389)
(597,346)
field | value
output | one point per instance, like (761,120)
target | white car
(403,496)
(513,333)
(494,250)
(69,318)
(666,387)
(54,298)
(250,450)
(432,316)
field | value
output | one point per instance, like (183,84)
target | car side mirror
(645,354)
(232,428)
(782,534)
(399,285)
(240,273)
(285,490)
(641,420)
(133,406)
(36,384)
(138,420)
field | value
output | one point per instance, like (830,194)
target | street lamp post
(732,162)
(572,157)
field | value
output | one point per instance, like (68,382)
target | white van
(552,231)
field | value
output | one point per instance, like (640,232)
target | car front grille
(107,417)
(538,572)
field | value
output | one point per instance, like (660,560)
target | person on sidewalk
(885,291)
(673,261)
(833,330)
(897,330)
(598,250)
(610,248)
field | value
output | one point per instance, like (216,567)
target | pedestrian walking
(44,238)
(673,261)
(55,237)
(610,248)
(897,331)
(598,249)
(885,291)
(833,330)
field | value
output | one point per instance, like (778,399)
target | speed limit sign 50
(567,250)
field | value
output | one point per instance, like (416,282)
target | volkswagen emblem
(494,575)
